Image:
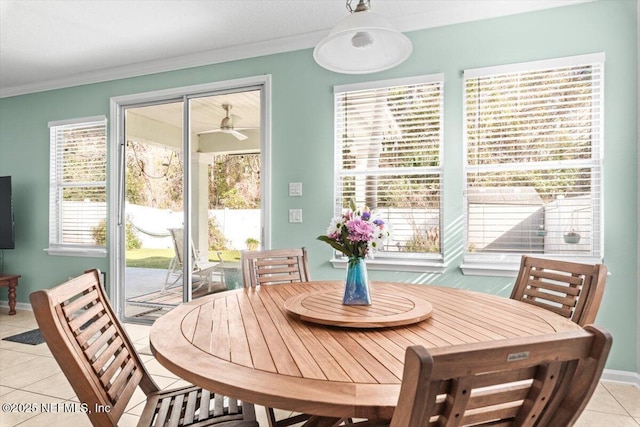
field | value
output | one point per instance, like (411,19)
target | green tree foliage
(235,182)
(154,176)
(100,235)
(217,240)
(423,240)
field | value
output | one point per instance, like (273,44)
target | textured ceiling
(47,44)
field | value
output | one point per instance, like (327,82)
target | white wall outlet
(295,215)
(295,189)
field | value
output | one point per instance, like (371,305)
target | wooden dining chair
(541,381)
(274,266)
(570,289)
(99,360)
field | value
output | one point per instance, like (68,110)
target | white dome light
(363,42)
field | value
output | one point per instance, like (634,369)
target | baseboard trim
(621,377)
(19,305)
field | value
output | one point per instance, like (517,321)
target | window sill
(419,266)
(490,269)
(508,266)
(78,252)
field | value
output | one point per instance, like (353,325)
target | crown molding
(253,50)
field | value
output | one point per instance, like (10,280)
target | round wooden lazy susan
(386,310)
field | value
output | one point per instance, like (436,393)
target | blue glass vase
(356,290)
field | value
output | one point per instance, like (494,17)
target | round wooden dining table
(252,345)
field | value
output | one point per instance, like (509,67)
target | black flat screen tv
(7,226)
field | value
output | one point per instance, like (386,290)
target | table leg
(12,297)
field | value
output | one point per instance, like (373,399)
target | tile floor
(30,375)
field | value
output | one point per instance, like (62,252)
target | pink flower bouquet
(356,233)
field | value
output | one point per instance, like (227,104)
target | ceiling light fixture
(363,42)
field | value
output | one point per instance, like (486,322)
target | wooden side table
(10,281)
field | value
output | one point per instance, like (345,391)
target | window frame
(56,247)
(507,265)
(395,261)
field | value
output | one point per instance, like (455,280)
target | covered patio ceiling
(207,114)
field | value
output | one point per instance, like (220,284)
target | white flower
(334,226)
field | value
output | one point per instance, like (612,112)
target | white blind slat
(533,158)
(388,140)
(78,182)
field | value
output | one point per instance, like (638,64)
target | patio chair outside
(535,381)
(99,360)
(203,272)
(570,289)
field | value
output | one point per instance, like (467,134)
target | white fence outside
(151,225)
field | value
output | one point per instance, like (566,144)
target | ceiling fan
(226,125)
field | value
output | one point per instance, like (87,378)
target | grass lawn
(160,258)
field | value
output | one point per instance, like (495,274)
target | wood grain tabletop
(243,343)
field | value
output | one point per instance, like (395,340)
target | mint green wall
(303,136)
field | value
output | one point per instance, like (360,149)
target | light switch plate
(295,215)
(295,189)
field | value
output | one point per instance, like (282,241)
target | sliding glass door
(191,197)
(153,209)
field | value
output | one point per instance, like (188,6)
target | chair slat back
(544,380)
(177,236)
(270,267)
(91,347)
(570,289)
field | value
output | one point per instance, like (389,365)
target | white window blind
(388,143)
(533,135)
(78,172)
